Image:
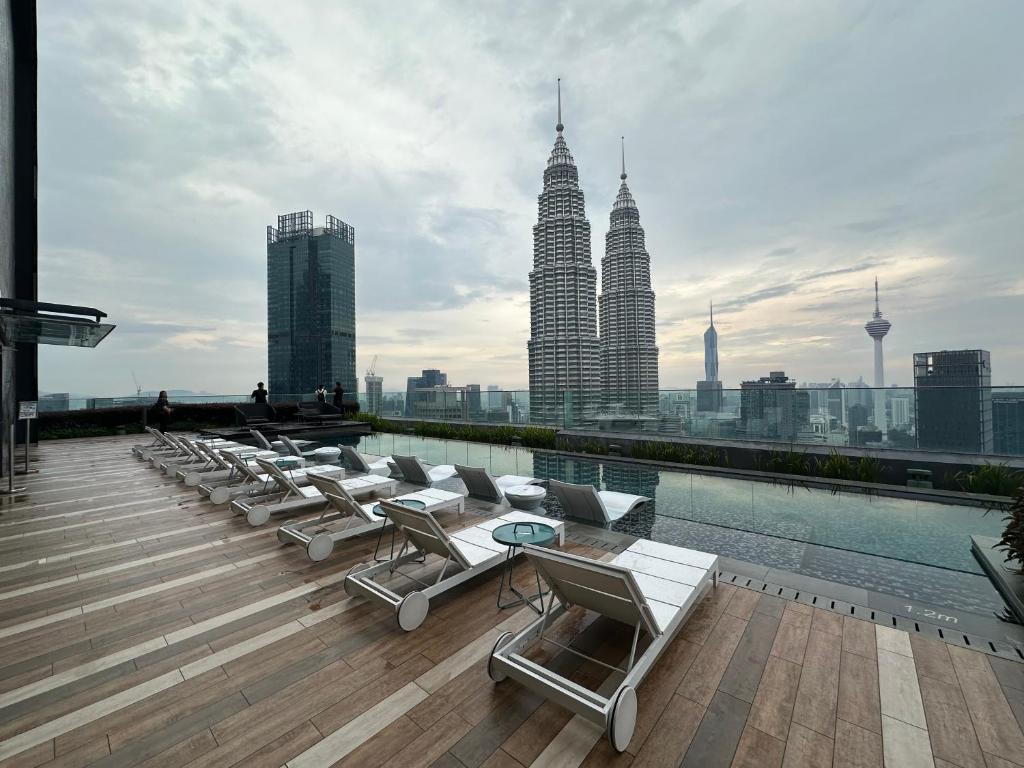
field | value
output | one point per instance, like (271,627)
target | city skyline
(153,173)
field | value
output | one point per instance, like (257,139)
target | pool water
(904,529)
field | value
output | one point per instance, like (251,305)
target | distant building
(857,421)
(1008,423)
(494,396)
(709,391)
(311,312)
(772,407)
(374,394)
(428,379)
(899,410)
(953,400)
(629,357)
(473,399)
(54,401)
(564,351)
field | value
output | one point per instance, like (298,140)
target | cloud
(781,156)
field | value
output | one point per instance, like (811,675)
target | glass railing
(977,420)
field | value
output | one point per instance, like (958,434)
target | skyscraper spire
(559,127)
(878,312)
(623,176)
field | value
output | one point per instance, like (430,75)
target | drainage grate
(974,642)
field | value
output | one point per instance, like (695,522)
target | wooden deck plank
(818,693)
(998,731)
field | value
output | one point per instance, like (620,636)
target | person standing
(162,410)
(321,394)
(259,395)
(339,396)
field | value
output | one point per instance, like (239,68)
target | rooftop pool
(918,550)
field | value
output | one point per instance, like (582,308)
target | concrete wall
(6,196)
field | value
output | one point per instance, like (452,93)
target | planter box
(1010,585)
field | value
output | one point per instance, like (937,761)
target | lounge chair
(289,495)
(155,443)
(358,463)
(261,440)
(482,485)
(584,502)
(466,553)
(294,447)
(252,480)
(650,586)
(219,470)
(320,534)
(416,472)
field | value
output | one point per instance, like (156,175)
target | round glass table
(383,515)
(514,535)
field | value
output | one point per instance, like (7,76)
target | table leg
(520,598)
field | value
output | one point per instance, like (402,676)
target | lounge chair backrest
(212,455)
(580,501)
(412,469)
(241,465)
(604,588)
(261,440)
(479,483)
(337,494)
(279,477)
(422,530)
(175,442)
(354,459)
(293,449)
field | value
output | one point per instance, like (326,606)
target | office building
(428,379)
(564,351)
(709,391)
(1008,423)
(772,407)
(953,400)
(629,356)
(899,412)
(877,327)
(374,394)
(311,311)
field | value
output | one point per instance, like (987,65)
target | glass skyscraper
(311,305)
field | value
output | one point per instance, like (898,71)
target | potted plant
(1013,535)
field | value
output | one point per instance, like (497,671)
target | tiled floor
(140,625)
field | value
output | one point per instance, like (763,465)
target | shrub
(1013,535)
(530,437)
(869,469)
(837,466)
(992,479)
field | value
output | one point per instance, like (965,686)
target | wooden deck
(139,625)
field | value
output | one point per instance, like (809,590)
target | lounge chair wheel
(354,569)
(221,495)
(503,639)
(257,515)
(320,547)
(622,719)
(412,610)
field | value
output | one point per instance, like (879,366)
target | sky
(782,155)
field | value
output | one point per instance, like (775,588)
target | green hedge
(528,437)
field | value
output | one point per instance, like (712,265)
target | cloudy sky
(782,154)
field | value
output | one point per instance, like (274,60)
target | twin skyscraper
(575,372)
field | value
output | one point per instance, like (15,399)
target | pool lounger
(251,480)
(218,471)
(587,503)
(202,457)
(482,485)
(466,553)
(358,463)
(650,586)
(258,509)
(416,472)
(319,535)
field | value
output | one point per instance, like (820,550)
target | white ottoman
(525,497)
(327,455)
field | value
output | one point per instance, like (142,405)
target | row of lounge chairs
(651,587)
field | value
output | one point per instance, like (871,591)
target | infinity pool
(914,531)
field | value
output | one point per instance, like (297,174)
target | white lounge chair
(294,448)
(480,484)
(650,586)
(290,495)
(466,553)
(320,534)
(584,502)
(252,480)
(219,470)
(358,463)
(416,472)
